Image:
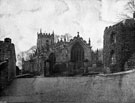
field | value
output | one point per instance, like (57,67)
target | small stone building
(119,46)
(7,61)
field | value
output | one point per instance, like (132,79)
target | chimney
(7,40)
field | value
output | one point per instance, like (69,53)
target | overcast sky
(22,19)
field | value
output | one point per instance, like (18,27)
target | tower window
(47,41)
(47,45)
(113,38)
(113,57)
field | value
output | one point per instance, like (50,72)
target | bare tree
(130,9)
(56,38)
(131,6)
(68,36)
(20,58)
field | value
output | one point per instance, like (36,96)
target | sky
(22,19)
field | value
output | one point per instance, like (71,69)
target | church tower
(44,41)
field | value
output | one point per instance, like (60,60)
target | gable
(80,41)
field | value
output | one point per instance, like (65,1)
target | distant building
(119,46)
(7,61)
(71,56)
(97,57)
(31,66)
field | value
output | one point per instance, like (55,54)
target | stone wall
(34,66)
(111,88)
(3,74)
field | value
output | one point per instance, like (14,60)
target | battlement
(127,23)
(108,28)
(45,35)
(6,40)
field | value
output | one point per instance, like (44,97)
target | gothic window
(113,37)
(47,41)
(113,57)
(52,57)
(77,53)
(47,45)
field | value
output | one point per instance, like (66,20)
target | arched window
(52,58)
(47,45)
(77,53)
(113,57)
(113,37)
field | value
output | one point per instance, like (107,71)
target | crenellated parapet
(45,35)
(127,23)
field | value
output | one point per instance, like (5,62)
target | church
(63,56)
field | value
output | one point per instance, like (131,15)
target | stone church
(61,56)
